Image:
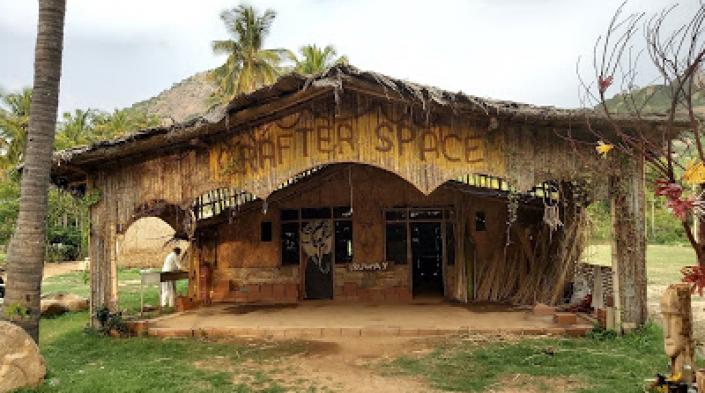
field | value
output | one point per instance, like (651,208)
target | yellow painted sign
(261,159)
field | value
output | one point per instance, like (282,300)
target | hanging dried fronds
(512,207)
(552,217)
(534,267)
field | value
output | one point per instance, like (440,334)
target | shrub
(111,323)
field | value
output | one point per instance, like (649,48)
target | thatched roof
(260,104)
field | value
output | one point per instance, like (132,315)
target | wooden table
(150,277)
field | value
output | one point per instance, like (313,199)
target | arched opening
(180,220)
(156,228)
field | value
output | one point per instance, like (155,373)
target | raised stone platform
(326,319)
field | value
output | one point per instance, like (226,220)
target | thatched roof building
(354,186)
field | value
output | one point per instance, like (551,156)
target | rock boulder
(21,364)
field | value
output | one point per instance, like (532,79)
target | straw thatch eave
(293,89)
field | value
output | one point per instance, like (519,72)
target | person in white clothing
(171,264)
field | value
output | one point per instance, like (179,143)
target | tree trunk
(629,242)
(25,258)
(700,232)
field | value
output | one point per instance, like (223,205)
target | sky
(118,52)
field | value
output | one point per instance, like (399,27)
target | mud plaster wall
(242,259)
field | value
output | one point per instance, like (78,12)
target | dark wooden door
(427,258)
(317,246)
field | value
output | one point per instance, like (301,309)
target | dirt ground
(345,365)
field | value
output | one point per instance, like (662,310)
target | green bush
(64,243)
(9,207)
(67,221)
(600,225)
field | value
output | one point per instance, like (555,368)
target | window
(293,219)
(342,212)
(315,213)
(395,237)
(395,215)
(290,243)
(343,246)
(289,215)
(480,221)
(343,241)
(425,214)
(265,233)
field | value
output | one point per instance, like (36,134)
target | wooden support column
(461,274)
(102,253)
(627,203)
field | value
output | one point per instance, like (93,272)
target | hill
(182,101)
(656,98)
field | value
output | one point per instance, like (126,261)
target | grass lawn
(663,263)
(80,361)
(128,288)
(600,364)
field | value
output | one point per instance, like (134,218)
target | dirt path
(56,269)
(337,365)
(355,366)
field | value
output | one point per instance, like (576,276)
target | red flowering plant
(679,206)
(604,83)
(682,208)
(695,276)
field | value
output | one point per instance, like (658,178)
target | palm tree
(119,123)
(111,125)
(315,60)
(76,129)
(14,122)
(25,257)
(248,66)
